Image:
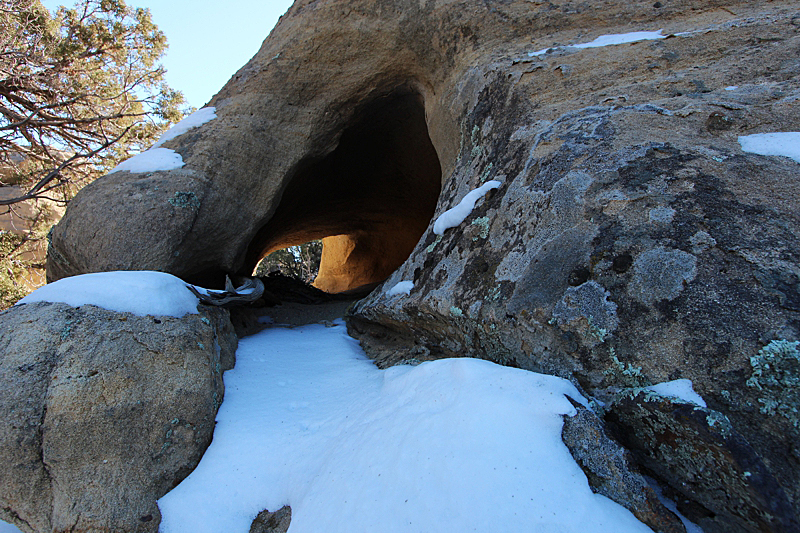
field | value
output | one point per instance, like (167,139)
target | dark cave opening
(370,200)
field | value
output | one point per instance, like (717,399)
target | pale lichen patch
(185,200)
(660,274)
(776,375)
(483,224)
(587,310)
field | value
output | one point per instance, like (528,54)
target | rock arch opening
(370,200)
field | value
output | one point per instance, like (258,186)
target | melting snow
(783,143)
(151,161)
(198,118)
(402,287)
(157,158)
(608,40)
(310,422)
(679,388)
(690,526)
(455,216)
(139,292)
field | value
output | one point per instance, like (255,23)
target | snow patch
(198,118)
(690,526)
(157,158)
(309,421)
(781,143)
(151,161)
(679,388)
(403,287)
(139,292)
(455,216)
(608,40)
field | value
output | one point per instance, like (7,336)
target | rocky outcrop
(632,241)
(277,522)
(612,472)
(104,412)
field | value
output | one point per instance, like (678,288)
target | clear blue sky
(209,40)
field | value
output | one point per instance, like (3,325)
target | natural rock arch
(370,200)
(283,123)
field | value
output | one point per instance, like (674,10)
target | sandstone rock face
(104,412)
(632,240)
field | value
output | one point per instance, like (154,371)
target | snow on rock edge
(139,292)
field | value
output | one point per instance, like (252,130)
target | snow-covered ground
(452,445)
(309,421)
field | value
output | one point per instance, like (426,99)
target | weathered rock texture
(609,469)
(104,412)
(277,522)
(632,241)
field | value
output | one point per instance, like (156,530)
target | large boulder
(104,412)
(631,240)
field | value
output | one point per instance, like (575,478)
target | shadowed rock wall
(371,198)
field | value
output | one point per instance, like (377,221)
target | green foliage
(80,89)
(11,288)
(301,262)
(22,256)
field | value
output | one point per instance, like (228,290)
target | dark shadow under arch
(370,200)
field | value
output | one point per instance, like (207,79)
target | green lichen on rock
(430,248)
(185,200)
(483,224)
(776,375)
(722,422)
(494,294)
(486,172)
(477,150)
(624,373)
(455,311)
(596,333)
(588,311)
(67,329)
